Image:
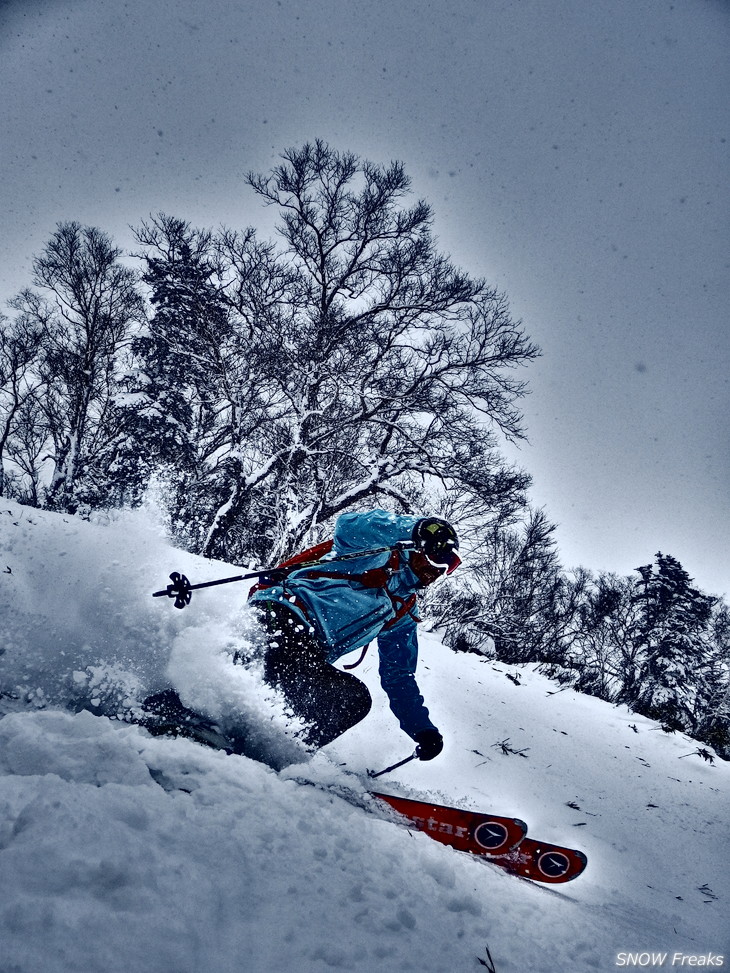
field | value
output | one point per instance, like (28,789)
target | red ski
(500,840)
(479,834)
(543,862)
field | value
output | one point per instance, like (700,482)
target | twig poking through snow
(507,748)
(700,752)
(489,962)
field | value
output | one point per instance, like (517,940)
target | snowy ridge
(123,852)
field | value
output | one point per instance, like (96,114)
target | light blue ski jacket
(346,613)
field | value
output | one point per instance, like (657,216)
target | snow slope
(124,853)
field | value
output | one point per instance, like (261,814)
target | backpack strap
(315,553)
(354,665)
(372,578)
(405,608)
(311,554)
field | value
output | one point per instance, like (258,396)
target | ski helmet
(436,545)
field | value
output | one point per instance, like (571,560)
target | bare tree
(606,657)
(20,382)
(386,368)
(515,600)
(85,306)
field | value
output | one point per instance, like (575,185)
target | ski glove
(430,744)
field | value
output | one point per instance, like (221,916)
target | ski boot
(166,716)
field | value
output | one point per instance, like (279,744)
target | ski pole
(372,774)
(181,589)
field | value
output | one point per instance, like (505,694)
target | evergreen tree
(712,720)
(172,399)
(673,639)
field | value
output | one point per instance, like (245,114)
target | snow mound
(80,630)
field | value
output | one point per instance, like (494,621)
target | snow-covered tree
(20,383)
(605,658)
(674,641)
(515,601)
(384,367)
(712,710)
(172,401)
(85,305)
(352,365)
(202,396)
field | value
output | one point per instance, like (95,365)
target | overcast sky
(575,153)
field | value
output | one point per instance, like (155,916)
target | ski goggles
(447,560)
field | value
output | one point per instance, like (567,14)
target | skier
(316,614)
(363,588)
